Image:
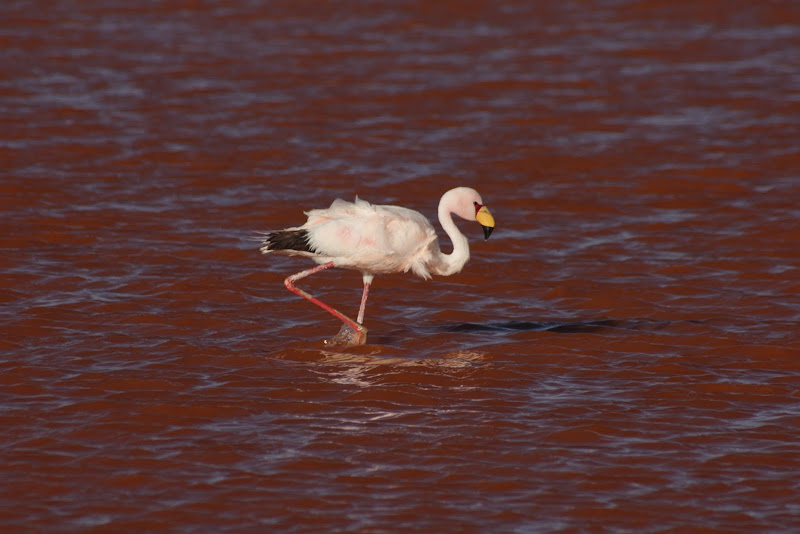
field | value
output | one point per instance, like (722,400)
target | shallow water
(622,354)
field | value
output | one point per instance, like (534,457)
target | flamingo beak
(486,220)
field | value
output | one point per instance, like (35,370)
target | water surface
(622,354)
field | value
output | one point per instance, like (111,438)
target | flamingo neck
(447,264)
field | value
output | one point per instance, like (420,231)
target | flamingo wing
(370,238)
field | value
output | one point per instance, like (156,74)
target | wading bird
(377,239)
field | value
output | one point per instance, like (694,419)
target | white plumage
(376,239)
(379,239)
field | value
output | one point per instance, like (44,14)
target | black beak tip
(487,231)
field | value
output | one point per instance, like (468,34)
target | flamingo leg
(367,283)
(359,330)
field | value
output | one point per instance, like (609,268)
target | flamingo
(377,239)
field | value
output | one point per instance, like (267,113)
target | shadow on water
(558,327)
(386,344)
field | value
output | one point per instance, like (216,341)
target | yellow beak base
(486,220)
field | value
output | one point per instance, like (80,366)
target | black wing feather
(288,240)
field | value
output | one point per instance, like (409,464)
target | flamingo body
(369,238)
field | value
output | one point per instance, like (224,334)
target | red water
(622,355)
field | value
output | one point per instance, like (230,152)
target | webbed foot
(348,337)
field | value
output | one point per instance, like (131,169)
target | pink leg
(367,282)
(289,283)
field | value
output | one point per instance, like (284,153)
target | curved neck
(447,264)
